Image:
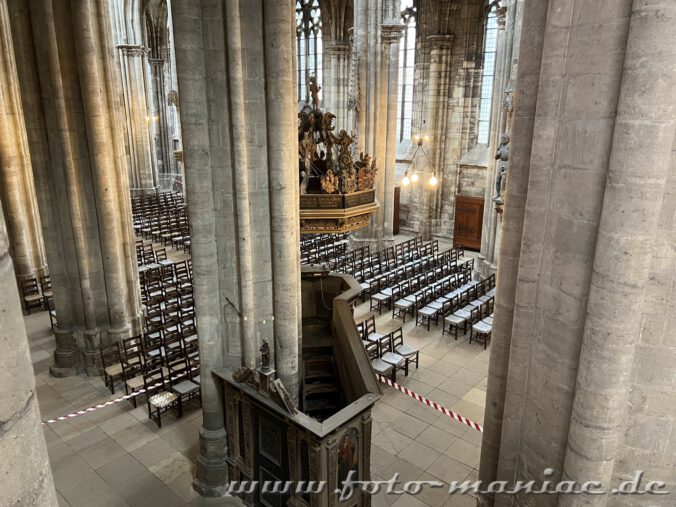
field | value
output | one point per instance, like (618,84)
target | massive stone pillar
(17,191)
(335,96)
(581,346)
(70,105)
(616,351)
(158,115)
(238,118)
(377,35)
(25,476)
(142,168)
(391,33)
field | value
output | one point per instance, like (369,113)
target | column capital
(132,49)
(156,62)
(391,32)
(440,41)
(338,48)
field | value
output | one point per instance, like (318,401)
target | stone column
(391,35)
(241,190)
(336,96)
(25,476)
(244,227)
(192,71)
(80,176)
(17,191)
(487,256)
(142,170)
(158,120)
(283,174)
(638,173)
(510,253)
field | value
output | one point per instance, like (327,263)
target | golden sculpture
(337,191)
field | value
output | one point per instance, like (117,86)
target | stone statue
(503,156)
(265,356)
(314,91)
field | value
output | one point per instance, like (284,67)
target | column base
(66,357)
(58,372)
(211,479)
(115,335)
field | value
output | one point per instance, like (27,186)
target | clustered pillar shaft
(240,153)
(638,171)
(70,109)
(580,343)
(17,190)
(241,188)
(283,174)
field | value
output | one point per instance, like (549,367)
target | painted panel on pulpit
(348,456)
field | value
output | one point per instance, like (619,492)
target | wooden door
(469,217)
(397,199)
(271,459)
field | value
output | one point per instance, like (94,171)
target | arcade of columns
(581,369)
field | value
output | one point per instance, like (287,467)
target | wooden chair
(379,366)
(158,398)
(111,362)
(30,294)
(47,293)
(388,355)
(412,355)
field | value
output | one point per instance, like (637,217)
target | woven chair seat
(482,327)
(405,350)
(163,399)
(394,359)
(114,369)
(455,320)
(135,383)
(185,387)
(381,366)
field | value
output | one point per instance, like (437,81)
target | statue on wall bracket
(502,155)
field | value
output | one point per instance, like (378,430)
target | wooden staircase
(322,395)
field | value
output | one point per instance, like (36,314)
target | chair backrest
(370,326)
(153,380)
(475,315)
(397,337)
(132,345)
(46,283)
(373,350)
(110,355)
(385,344)
(29,287)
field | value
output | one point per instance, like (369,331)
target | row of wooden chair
(37,293)
(443,297)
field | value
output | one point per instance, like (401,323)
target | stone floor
(116,456)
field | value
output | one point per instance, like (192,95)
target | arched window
(406,68)
(308,45)
(490,42)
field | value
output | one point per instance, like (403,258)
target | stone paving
(116,456)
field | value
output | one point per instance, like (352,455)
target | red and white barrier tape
(107,403)
(433,404)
